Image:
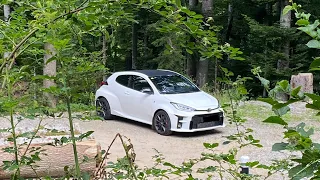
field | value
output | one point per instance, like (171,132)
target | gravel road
(177,147)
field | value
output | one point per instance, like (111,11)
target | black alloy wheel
(103,108)
(162,123)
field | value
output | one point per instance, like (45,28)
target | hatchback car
(164,99)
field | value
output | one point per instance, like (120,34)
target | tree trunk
(230,20)
(6,13)
(207,8)
(134,45)
(56,159)
(192,65)
(104,54)
(193,4)
(202,71)
(50,69)
(192,58)
(285,22)
(216,63)
(269,11)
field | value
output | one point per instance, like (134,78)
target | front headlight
(182,107)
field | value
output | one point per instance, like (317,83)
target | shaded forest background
(266,37)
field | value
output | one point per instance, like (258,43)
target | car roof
(157,72)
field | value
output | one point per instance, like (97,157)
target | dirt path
(179,146)
(183,146)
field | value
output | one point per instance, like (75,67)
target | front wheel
(161,123)
(103,108)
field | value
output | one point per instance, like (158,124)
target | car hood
(198,100)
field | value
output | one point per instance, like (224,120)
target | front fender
(170,110)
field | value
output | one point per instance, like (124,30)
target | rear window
(123,80)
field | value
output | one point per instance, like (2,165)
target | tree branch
(35,30)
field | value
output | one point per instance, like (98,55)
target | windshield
(173,84)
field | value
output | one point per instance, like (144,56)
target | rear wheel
(103,108)
(161,123)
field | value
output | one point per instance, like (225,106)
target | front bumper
(197,120)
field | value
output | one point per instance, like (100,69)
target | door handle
(126,93)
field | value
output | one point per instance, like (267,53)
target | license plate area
(206,120)
(207,124)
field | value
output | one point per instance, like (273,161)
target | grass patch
(261,112)
(254,111)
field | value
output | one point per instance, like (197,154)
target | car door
(121,90)
(140,104)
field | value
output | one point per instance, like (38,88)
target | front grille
(206,120)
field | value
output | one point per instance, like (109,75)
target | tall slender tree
(134,45)
(202,70)
(104,53)
(6,13)
(50,69)
(192,58)
(285,22)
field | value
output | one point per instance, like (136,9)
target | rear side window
(123,80)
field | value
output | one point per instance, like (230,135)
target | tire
(103,108)
(161,123)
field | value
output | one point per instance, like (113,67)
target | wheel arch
(111,98)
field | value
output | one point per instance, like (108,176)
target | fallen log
(54,160)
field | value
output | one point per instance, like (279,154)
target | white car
(164,99)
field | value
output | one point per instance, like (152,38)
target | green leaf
(314,97)
(302,22)
(301,172)
(286,9)
(281,111)
(198,16)
(275,120)
(278,106)
(314,44)
(189,51)
(210,146)
(178,3)
(295,91)
(85,176)
(84,135)
(316,146)
(300,128)
(315,63)
(264,82)
(252,164)
(279,146)
(268,100)
(284,84)
(207,169)
(170,165)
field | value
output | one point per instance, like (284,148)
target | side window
(140,83)
(123,80)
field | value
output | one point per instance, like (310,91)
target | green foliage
(74,26)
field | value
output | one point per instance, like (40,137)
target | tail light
(103,83)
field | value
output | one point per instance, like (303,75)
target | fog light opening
(179,124)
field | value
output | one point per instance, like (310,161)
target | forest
(55,53)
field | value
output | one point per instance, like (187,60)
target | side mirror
(147,91)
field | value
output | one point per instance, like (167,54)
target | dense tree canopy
(191,37)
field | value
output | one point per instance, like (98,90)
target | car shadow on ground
(175,134)
(131,122)
(198,134)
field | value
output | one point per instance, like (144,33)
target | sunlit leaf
(275,120)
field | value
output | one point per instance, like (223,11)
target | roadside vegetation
(55,53)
